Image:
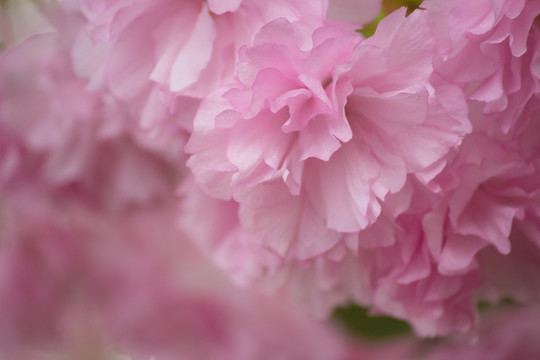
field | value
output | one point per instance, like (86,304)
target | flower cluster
(143,142)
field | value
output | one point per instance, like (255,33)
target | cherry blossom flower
(310,143)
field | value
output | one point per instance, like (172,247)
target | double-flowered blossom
(491,50)
(271,145)
(478,230)
(310,143)
(388,267)
(486,215)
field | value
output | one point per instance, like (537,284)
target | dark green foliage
(359,323)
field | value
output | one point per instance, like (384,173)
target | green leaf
(359,323)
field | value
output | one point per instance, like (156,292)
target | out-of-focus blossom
(55,133)
(502,334)
(359,12)
(133,281)
(5,28)
(20,19)
(508,335)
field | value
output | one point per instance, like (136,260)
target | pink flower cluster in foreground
(153,150)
